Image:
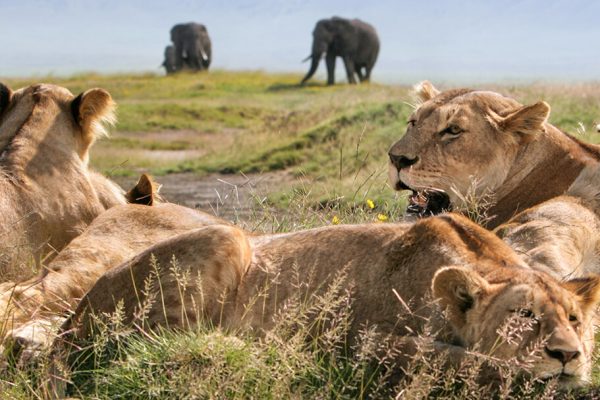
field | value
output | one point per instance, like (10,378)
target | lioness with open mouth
(460,138)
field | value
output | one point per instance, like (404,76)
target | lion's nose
(402,161)
(564,356)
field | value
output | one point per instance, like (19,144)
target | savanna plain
(271,156)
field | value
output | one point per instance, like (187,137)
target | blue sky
(452,41)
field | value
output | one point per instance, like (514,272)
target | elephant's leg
(178,57)
(330,61)
(368,73)
(350,69)
(361,77)
(192,57)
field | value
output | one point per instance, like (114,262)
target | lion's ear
(526,121)
(145,192)
(93,110)
(425,91)
(5,97)
(588,290)
(458,289)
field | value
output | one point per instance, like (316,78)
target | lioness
(29,309)
(49,195)
(239,281)
(561,235)
(462,137)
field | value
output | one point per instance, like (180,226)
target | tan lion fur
(49,195)
(240,282)
(502,147)
(113,237)
(561,235)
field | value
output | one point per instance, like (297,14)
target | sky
(443,40)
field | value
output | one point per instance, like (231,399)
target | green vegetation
(332,141)
(251,122)
(256,122)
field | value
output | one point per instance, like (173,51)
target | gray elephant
(169,62)
(355,41)
(192,46)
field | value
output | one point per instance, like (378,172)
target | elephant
(355,41)
(169,62)
(192,46)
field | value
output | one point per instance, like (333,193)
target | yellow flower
(335,220)
(382,217)
(370,204)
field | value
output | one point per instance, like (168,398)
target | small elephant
(169,62)
(192,46)
(355,41)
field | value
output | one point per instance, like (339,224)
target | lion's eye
(573,318)
(452,130)
(411,122)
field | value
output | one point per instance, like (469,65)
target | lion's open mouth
(426,202)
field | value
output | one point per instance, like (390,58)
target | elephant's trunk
(316,58)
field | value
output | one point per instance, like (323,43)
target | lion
(240,281)
(34,306)
(562,235)
(49,195)
(465,140)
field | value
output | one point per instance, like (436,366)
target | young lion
(49,195)
(240,281)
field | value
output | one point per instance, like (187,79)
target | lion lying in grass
(224,277)
(49,195)
(462,138)
(30,310)
(561,236)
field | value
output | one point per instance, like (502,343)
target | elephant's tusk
(204,56)
(307,58)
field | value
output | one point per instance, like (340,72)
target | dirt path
(227,196)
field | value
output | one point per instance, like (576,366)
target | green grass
(249,122)
(252,121)
(255,122)
(334,140)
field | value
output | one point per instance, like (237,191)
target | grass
(229,122)
(247,122)
(333,141)
(306,354)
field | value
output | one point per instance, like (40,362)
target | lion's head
(49,195)
(459,141)
(524,316)
(46,121)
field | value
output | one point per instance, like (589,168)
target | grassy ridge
(254,122)
(250,122)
